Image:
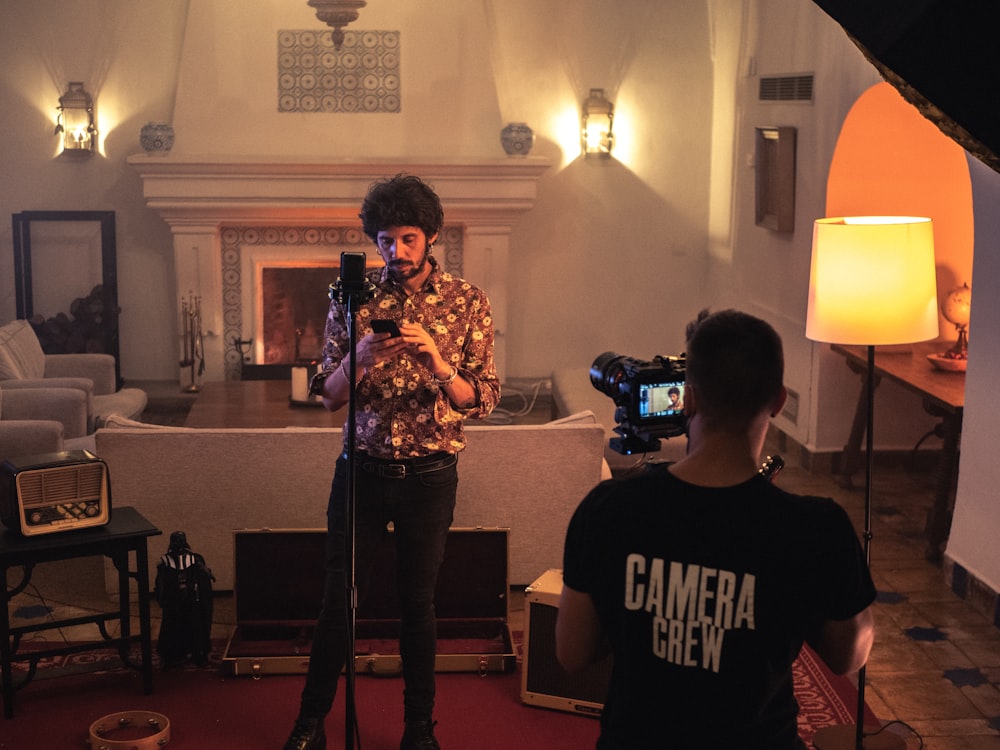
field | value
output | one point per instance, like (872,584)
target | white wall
(611,247)
(127,55)
(976,523)
(770,270)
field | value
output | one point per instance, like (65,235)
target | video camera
(649,397)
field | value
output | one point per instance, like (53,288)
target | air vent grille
(796,88)
(791,410)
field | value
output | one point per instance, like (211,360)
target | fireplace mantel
(198,196)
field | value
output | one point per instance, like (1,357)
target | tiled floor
(936,661)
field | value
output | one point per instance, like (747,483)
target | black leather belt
(400,468)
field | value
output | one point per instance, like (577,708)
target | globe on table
(955,307)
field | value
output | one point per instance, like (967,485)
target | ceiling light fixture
(337,13)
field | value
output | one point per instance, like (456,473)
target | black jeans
(421,508)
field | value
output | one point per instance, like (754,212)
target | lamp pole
(872,281)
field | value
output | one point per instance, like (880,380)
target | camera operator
(705,579)
(416,386)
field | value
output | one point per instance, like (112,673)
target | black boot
(419,735)
(307,734)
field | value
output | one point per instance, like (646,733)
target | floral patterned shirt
(400,411)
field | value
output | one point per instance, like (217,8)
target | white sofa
(210,482)
(23,364)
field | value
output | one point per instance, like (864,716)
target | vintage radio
(543,681)
(53,492)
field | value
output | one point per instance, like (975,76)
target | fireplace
(232,218)
(287,272)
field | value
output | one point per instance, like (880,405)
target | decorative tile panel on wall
(362,76)
(350,238)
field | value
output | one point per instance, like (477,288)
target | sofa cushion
(128,402)
(30,437)
(21,355)
(118,421)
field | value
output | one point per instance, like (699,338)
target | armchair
(24,366)
(42,420)
(29,437)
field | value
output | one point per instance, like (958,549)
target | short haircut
(401,201)
(736,365)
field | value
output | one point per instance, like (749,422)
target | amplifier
(543,681)
(52,492)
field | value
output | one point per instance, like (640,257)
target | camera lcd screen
(661,400)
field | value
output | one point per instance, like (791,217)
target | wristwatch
(316,383)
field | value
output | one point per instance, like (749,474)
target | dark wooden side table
(943,396)
(128,531)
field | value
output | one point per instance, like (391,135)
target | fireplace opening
(276,291)
(294,305)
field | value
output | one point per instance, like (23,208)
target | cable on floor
(903,724)
(502,416)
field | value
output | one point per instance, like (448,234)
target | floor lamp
(871,282)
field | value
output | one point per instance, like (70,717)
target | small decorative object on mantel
(956,308)
(157,138)
(517,138)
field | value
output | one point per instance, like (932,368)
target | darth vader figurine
(183,590)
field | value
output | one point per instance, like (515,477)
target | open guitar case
(278,586)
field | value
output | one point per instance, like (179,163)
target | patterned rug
(824,698)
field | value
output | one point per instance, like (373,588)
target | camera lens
(606,373)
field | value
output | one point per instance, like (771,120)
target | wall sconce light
(595,125)
(75,124)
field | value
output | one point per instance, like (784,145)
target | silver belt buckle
(394,471)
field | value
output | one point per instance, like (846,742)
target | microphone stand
(351,290)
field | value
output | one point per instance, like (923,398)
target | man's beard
(408,272)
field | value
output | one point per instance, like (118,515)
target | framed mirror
(66,280)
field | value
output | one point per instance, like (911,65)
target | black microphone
(353,283)
(352,271)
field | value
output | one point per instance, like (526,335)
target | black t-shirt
(707,595)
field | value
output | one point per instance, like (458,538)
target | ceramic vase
(157,138)
(517,139)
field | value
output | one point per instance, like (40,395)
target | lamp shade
(872,281)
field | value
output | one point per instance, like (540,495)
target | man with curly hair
(415,388)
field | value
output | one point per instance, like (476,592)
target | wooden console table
(127,532)
(256,403)
(943,396)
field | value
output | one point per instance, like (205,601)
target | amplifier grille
(61,484)
(546,676)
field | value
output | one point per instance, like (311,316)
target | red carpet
(210,710)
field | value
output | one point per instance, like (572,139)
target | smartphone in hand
(385,326)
